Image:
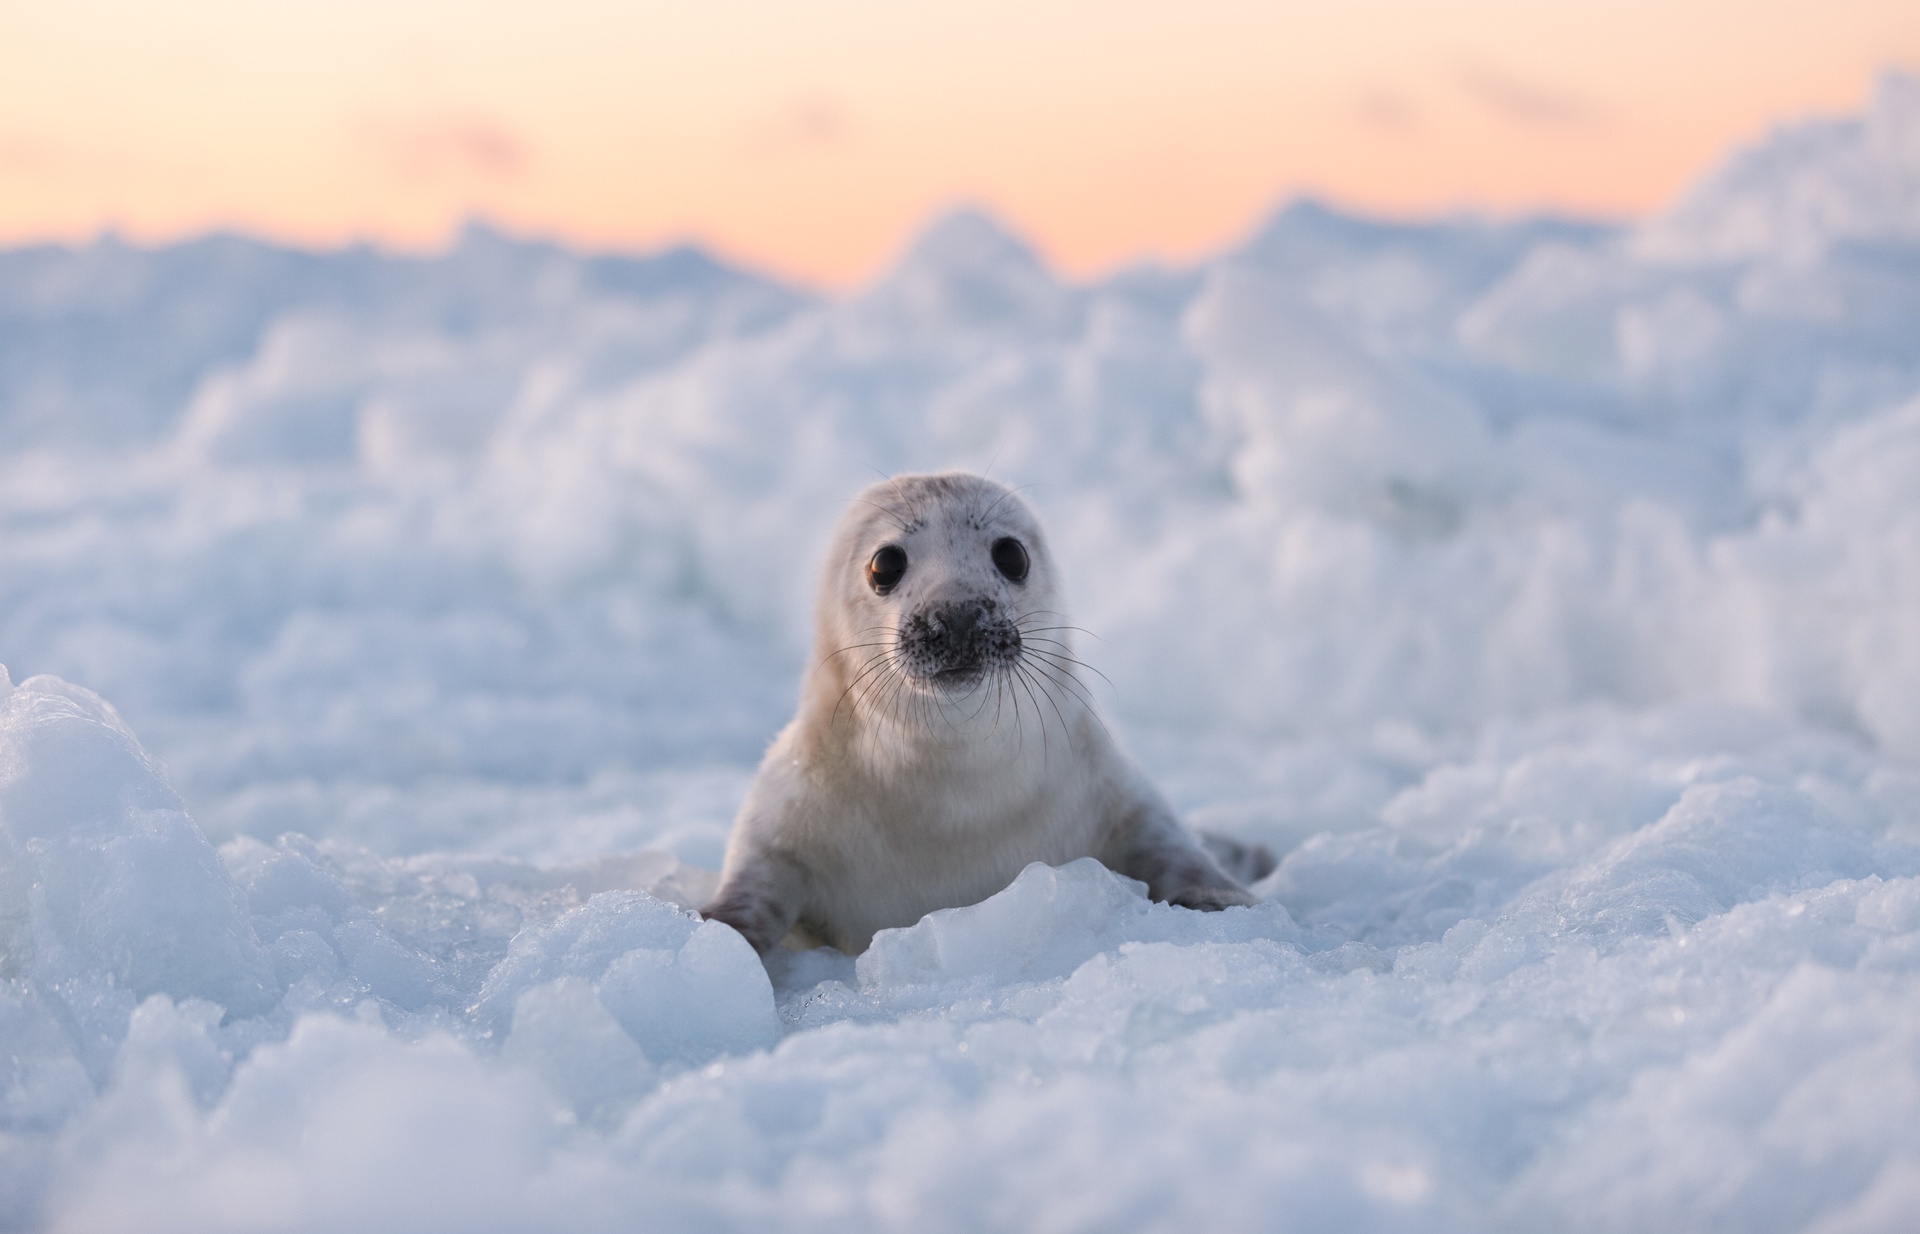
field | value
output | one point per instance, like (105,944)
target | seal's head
(938,587)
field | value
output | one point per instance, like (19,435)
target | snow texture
(1547,595)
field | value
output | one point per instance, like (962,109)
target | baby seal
(943,741)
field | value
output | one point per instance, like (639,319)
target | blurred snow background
(1548,594)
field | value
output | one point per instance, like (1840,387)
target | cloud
(1527,103)
(807,122)
(447,146)
(28,156)
(1388,111)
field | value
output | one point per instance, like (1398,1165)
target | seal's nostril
(962,618)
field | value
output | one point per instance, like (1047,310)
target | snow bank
(1543,593)
(1663,974)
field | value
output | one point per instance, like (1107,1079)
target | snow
(1546,595)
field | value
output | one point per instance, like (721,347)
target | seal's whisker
(922,704)
(898,520)
(1039,684)
(981,688)
(888,714)
(844,650)
(1060,657)
(886,674)
(877,661)
(1031,637)
(1031,614)
(891,640)
(1080,695)
(1019,729)
(1058,670)
(881,662)
(879,708)
(1065,679)
(1027,684)
(1003,500)
(1026,630)
(1055,703)
(946,717)
(904,695)
(1065,653)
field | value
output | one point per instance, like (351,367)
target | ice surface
(1546,595)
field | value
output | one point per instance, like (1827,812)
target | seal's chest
(901,866)
(970,819)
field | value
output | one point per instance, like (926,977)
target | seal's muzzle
(957,644)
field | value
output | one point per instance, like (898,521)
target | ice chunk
(341,1126)
(1720,845)
(45,1078)
(104,873)
(685,990)
(164,1036)
(1044,924)
(562,1031)
(710,997)
(1816,1089)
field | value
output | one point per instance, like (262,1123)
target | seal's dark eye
(1010,558)
(887,568)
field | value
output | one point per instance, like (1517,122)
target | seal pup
(943,741)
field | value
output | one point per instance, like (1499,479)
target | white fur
(888,797)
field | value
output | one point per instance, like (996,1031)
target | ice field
(390,641)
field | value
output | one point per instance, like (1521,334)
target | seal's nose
(953,632)
(957,639)
(957,621)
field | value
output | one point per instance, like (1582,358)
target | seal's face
(940,586)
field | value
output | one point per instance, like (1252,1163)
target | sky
(813,137)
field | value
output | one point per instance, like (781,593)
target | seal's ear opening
(1010,558)
(887,568)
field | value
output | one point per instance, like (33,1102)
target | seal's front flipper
(1247,862)
(1212,899)
(761,898)
(1154,848)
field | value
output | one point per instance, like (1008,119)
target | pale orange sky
(814,137)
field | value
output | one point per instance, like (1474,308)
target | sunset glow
(813,137)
